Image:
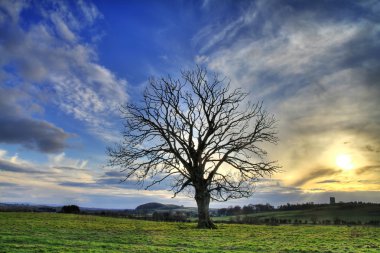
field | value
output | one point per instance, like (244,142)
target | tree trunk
(202,197)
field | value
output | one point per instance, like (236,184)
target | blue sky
(67,66)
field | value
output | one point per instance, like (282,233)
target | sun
(344,161)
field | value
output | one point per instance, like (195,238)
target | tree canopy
(197,132)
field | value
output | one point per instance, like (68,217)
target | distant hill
(8,207)
(323,214)
(21,207)
(157,206)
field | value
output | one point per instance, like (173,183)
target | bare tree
(197,133)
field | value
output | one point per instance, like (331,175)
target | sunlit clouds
(322,88)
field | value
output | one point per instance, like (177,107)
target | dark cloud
(368,169)
(116,179)
(108,179)
(12,167)
(370,148)
(5,184)
(68,168)
(18,128)
(316,173)
(111,181)
(79,184)
(99,184)
(328,181)
(114,182)
(114,174)
(33,134)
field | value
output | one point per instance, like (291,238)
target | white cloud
(2,153)
(62,180)
(51,53)
(214,34)
(201,59)
(90,12)
(56,170)
(60,160)
(63,30)
(13,9)
(287,54)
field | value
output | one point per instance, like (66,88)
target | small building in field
(332,200)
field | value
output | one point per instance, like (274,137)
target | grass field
(47,232)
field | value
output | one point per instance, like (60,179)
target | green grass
(44,232)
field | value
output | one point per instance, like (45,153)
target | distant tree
(237,210)
(248,209)
(314,219)
(222,211)
(70,209)
(197,132)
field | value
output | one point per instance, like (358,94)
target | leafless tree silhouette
(196,132)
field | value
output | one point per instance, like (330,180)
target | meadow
(52,232)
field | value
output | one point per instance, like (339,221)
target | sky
(67,66)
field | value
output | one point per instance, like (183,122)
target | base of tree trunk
(202,197)
(206,224)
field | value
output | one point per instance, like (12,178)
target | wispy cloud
(17,168)
(314,174)
(222,33)
(67,179)
(13,164)
(62,168)
(70,190)
(370,169)
(50,54)
(5,184)
(302,63)
(330,181)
